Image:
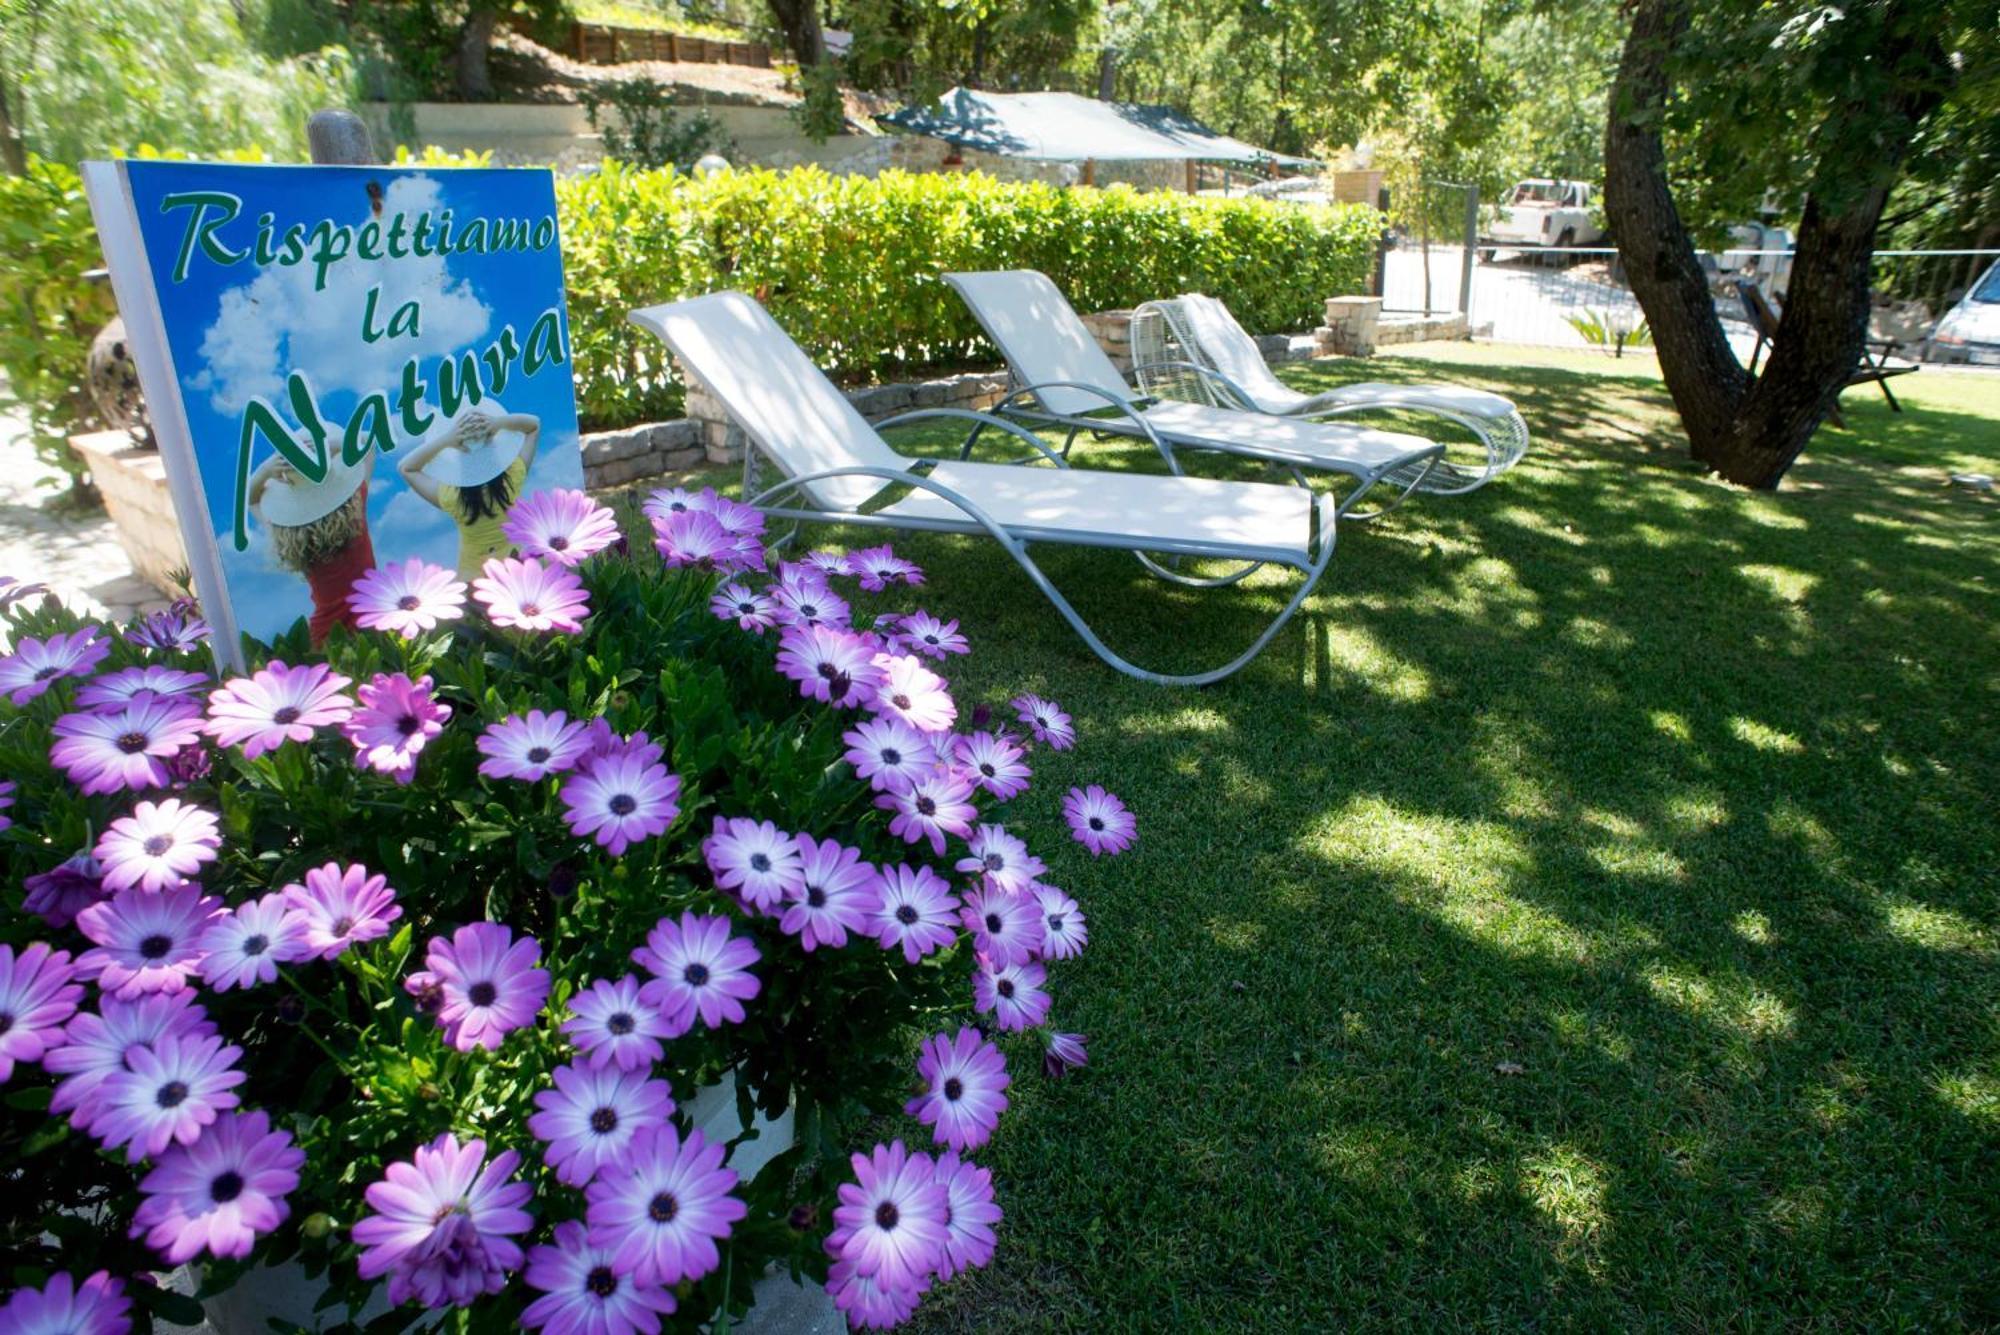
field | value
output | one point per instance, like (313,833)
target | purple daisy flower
(621,799)
(147,940)
(914,910)
(890,1220)
(407,598)
(167,1094)
(743,521)
(14,590)
(591,1115)
(969,1216)
(220,1193)
(615,1026)
(490,983)
(396,720)
(444,1224)
(176,630)
(880,567)
(65,890)
(868,1303)
(277,704)
(749,609)
(532,746)
(36,664)
(1062,1053)
(666,502)
(245,948)
(661,1206)
(562,525)
(341,907)
(531,595)
(993,762)
(965,1080)
(908,690)
(583,1293)
(889,753)
(937,804)
(805,600)
(94,1046)
(159,846)
(122,687)
(827,563)
(832,666)
(1046,720)
(6,801)
(698,968)
(925,634)
(37,998)
(1006,928)
(97,1306)
(1065,930)
(1099,821)
(756,859)
(603,742)
(125,746)
(1001,858)
(1012,992)
(835,895)
(694,537)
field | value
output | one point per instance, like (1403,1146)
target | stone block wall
(1113,332)
(133,482)
(1350,327)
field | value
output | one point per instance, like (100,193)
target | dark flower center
(256,945)
(620,1024)
(172,1094)
(815,897)
(906,914)
(993,923)
(409,602)
(662,1208)
(1055,922)
(48,674)
(623,804)
(132,743)
(157,845)
(931,640)
(746,609)
(228,1185)
(760,862)
(695,975)
(891,756)
(342,926)
(926,806)
(538,755)
(408,725)
(6,1021)
(559,543)
(601,1282)
(530,610)
(1097,823)
(482,993)
(900,701)
(994,862)
(988,770)
(604,1121)
(809,611)
(1005,987)
(155,947)
(287,714)
(954,1089)
(886,1217)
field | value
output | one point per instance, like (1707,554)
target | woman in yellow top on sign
(473,470)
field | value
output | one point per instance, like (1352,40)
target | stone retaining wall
(133,483)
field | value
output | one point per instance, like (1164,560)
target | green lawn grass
(1584,915)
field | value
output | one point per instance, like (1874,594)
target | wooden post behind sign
(1193,176)
(1090,171)
(339,139)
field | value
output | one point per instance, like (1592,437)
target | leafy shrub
(347,1050)
(1613,331)
(637,120)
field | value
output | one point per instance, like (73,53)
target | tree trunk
(1750,430)
(799,21)
(475,39)
(1107,74)
(13,154)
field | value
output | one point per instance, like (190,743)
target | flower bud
(291,1008)
(317,1225)
(562,881)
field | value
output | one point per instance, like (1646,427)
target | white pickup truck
(1539,213)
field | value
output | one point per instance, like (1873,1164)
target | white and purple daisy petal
(613,1025)
(38,996)
(57,895)
(832,666)
(122,687)
(620,799)
(749,608)
(756,859)
(490,983)
(529,594)
(407,598)
(835,896)
(1099,821)
(145,940)
(889,753)
(277,704)
(176,630)
(905,688)
(693,538)
(397,719)
(1002,858)
(965,1088)
(220,1194)
(827,563)
(94,1046)
(245,947)
(880,567)
(890,1220)
(341,907)
(1046,720)
(159,846)
(584,1294)
(444,1224)
(804,601)
(166,1095)
(660,1208)
(95,1305)
(35,665)
(1062,1053)
(561,524)
(915,911)
(937,804)
(925,634)
(1065,931)
(591,1114)
(993,762)
(1012,993)
(125,746)
(699,969)
(1006,927)
(532,746)
(867,1303)
(970,1214)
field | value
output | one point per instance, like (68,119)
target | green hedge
(850,265)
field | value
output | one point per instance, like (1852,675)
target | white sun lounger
(1062,378)
(1191,348)
(838,469)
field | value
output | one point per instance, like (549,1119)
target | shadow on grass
(1583,916)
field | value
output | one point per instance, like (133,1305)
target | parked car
(1970,331)
(1542,212)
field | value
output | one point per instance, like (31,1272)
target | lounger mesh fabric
(1171,337)
(1052,354)
(794,415)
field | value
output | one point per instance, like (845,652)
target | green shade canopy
(1063,127)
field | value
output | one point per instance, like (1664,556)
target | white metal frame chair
(1192,348)
(838,469)
(1063,379)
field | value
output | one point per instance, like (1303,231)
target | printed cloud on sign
(277,321)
